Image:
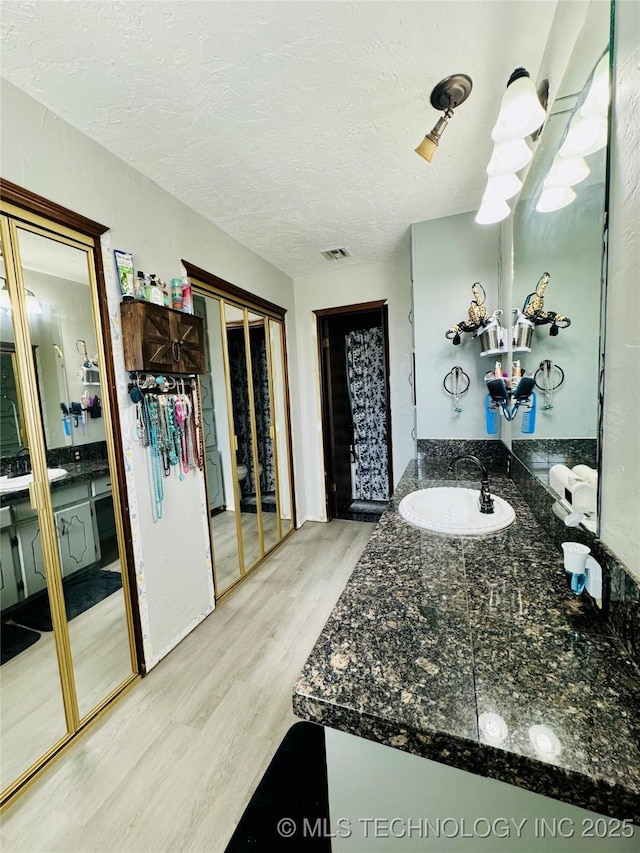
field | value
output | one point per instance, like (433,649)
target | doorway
(356,415)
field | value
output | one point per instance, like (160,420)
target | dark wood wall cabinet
(160,339)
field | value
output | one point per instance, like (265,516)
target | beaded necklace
(152,440)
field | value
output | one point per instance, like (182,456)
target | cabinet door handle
(175,350)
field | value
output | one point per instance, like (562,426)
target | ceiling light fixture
(446,95)
(521,112)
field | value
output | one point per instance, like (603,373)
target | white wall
(348,286)
(46,155)
(448,256)
(620,517)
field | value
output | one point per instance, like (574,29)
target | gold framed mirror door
(247,430)
(66,609)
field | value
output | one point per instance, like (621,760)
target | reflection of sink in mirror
(17,484)
(455,512)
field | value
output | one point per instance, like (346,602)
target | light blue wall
(448,256)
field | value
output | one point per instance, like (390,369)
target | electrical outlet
(76,455)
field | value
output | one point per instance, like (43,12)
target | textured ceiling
(290,125)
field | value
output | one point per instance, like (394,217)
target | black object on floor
(14,640)
(81,592)
(363,511)
(290,809)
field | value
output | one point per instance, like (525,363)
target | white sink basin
(17,484)
(455,512)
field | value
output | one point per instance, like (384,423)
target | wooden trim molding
(358,308)
(41,206)
(233,291)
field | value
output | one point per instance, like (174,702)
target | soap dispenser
(583,571)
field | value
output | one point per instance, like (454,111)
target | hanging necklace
(152,440)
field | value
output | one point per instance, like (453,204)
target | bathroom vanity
(79,501)
(473,653)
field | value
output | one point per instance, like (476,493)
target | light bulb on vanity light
(596,104)
(521,112)
(585,136)
(492,210)
(554,199)
(509,157)
(566,172)
(503,187)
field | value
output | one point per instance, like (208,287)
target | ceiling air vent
(335,254)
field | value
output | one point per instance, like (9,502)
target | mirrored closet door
(67,641)
(246,420)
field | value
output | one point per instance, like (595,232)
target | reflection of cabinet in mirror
(156,338)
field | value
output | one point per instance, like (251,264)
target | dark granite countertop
(432,633)
(77,472)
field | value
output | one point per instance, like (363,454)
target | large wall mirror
(558,262)
(66,618)
(64,345)
(245,413)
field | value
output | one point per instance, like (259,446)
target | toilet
(243,471)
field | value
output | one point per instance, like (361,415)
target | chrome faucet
(486,501)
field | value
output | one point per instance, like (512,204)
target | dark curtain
(260,371)
(240,405)
(367,393)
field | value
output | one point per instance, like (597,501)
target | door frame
(323,318)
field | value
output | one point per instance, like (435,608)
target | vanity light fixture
(492,210)
(509,157)
(503,186)
(596,104)
(585,136)
(446,95)
(521,112)
(566,172)
(554,199)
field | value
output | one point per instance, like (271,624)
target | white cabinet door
(75,537)
(30,550)
(8,581)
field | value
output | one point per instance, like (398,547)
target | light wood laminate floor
(173,765)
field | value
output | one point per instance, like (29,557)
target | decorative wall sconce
(522,113)
(446,95)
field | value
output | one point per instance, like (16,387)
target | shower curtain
(367,395)
(240,406)
(259,368)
